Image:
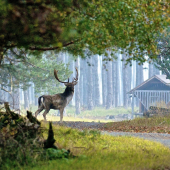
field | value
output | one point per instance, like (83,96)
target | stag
(57,101)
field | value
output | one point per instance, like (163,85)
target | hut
(153,90)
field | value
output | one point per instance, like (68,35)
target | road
(157,137)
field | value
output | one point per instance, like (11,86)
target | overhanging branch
(44,48)
(51,48)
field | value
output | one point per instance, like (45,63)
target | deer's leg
(39,110)
(61,115)
(45,113)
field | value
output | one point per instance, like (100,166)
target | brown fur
(58,101)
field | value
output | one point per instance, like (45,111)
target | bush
(22,142)
(20,139)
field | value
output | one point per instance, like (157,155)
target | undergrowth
(22,142)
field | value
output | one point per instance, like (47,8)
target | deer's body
(57,101)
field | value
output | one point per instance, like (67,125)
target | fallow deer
(57,101)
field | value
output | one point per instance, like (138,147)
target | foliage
(163,59)
(19,139)
(57,153)
(40,71)
(42,25)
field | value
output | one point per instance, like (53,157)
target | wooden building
(153,90)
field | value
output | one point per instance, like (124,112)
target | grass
(101,152)
(96,151)
(97,114)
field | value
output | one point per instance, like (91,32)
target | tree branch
(6,90)
(51,48)
(44,48)
(35,66)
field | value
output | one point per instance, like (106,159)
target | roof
(156,79)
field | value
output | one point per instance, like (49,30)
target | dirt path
(157,137)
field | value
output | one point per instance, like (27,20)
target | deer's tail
(40,100)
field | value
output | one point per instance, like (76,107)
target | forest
(101,83)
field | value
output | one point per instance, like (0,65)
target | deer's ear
(74,83)
(66,84)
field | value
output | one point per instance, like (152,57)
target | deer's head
(68,84)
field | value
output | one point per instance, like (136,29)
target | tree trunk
(81,84)
(90,86)
(104,82)
(26,101)
(139,74)
(125,81)
(109,85)
(85,70)
(151,72)
(16,96)
(77,91)
(96,81)
(139,77)
(116,82)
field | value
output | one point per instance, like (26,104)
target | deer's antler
(75,79)
(55,74)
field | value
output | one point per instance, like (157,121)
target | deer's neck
(68,92)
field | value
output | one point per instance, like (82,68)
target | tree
(109,84)
(90,86)
(96,89)
(77,90)
(84,74)
(139,79)
(163,59)
(126,73)
(36,26)
(139,74)
(104,82)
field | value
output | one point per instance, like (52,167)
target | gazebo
(153,90)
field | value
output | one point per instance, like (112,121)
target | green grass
(103,152)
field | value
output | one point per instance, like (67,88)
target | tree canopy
(39,71)
(163,59)
(75,25)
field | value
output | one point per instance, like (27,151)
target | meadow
(96,151)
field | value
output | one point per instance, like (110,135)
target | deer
(57,101)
